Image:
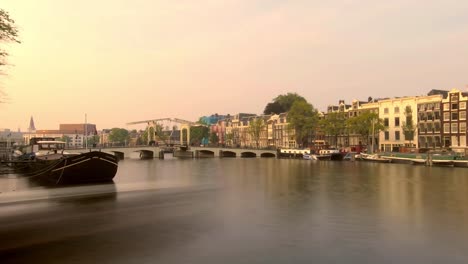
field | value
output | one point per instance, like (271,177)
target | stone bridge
(148,152)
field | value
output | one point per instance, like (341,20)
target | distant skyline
(123,61)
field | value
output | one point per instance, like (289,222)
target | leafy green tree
(197,133)
(93,141)
(333,125)
(119,135)
(230,139)
(8,33)
(273,108)
(256,126)
(303,118)
(160,134)
(409,128)
(282,103)
(364,123)
(65,139)
(214,139)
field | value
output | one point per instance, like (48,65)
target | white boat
(310,157)
(374,158)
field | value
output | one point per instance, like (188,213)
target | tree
(65,139)
(214,139)
(334,124)
(273,108)
(197,133)
(282,103)
(118,135)
(93,140)
(409,128)
(159,133)
(230,139)
(8,33)
(303,118)
(256,126)
(365,124)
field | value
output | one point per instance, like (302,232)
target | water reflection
(265,211)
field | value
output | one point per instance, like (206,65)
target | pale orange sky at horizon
(123,61)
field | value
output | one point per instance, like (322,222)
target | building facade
(454,121)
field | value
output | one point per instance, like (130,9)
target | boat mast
(86,131)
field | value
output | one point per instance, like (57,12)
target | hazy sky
(128,60)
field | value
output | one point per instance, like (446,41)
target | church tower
(31,128)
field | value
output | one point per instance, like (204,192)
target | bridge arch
(248,154)
(146,154)
(228,154)
(205,153)
(267,155)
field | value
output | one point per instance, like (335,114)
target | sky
(119,61)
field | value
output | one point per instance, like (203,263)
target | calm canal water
(242,211)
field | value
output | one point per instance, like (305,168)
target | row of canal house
(234,131)
(438,118)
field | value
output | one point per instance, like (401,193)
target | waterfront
(242,211)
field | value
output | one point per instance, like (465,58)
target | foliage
(282,103)
(142,138)
(93,141)
(333,125)
(159,133)
(214,139)
(230,139)
(256,125)
(65,139)
(364,123)
(8,33)
(197,133)
(409,128)
(118,135)
(303,118)
(273,108)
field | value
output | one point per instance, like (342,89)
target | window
(430,116)
(422,128)
(454,127)
(387,135)
(462,115)
(446,128)
(437,127)
(436,115)
(455,116)
(462,128)
(397,121)
(385,110)
(436,106)
(447,116)
(397,135)
(454,106)
(386,122)
(462,105)
(446,107)
(396,110)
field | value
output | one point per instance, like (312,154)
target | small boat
(309,157)
(374,158)
(48,162)
(351,156)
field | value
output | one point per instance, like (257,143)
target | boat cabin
(45,146)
